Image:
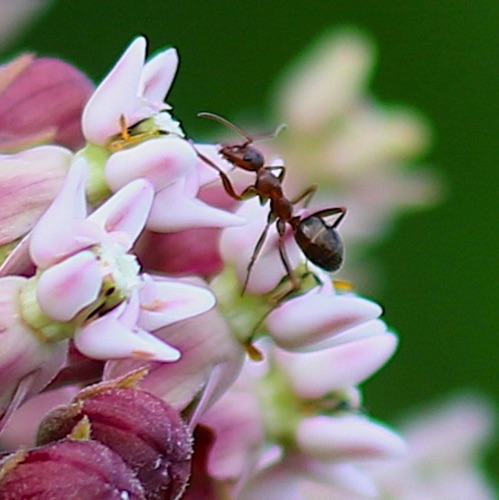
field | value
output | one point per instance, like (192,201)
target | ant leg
(256,251)
(307,195)
(227,184)
(281,229)
(331,211)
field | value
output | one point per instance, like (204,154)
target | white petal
(62,229)
(166,302)
(29,182)
(158,75)
(351,437)
(172,211)
(126,211)
(115,96)
(66,288)
(314,317)
(314,374)
(344,475)
(106,338)
(161,161)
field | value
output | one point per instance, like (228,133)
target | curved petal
(314,374)
(125,213)
(158,75)
(62,230)
(29,182)
(66,288)
(115,96)
(349,477)
(161,161)
(172,211)
(351,437)
(313,317)
(107,338)
(165,302)
(359,332)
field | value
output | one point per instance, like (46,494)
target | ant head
(243,156)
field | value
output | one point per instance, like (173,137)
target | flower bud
(42,101)
(146,432)
(68,469)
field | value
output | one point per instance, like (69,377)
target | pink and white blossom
(134,137)
(88,283)
(133,89)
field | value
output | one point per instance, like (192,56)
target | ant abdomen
(320,242)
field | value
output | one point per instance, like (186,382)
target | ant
(319,241)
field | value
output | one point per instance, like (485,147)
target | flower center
(119,275)
(158,124)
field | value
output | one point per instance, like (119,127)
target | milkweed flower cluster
(199,390)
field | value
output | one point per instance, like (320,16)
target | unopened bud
(147,433)
(68,469)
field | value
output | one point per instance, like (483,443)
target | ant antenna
(228,124)
(249,138)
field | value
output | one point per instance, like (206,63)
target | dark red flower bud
(41,100)
(145,431)
(68,469)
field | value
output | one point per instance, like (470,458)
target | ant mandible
(319,241)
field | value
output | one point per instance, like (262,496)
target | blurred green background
(441,57)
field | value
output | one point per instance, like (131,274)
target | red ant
(320,242)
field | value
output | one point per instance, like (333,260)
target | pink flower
(89,287)
(133,89)
(131,136)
